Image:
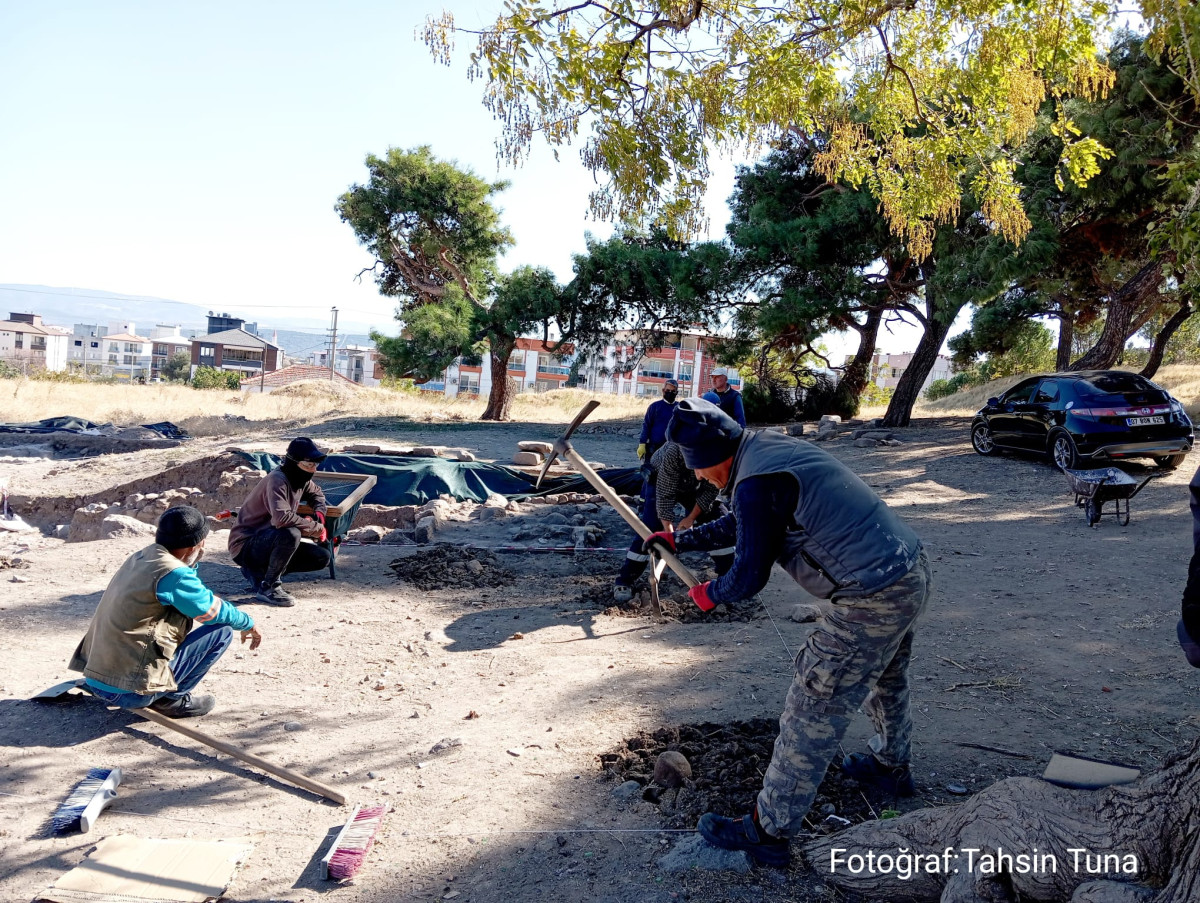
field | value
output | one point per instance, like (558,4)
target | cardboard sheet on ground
(402,480)
(125,869)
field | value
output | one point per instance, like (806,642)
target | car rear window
(1116,383)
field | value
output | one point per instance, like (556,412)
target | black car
(1092,416)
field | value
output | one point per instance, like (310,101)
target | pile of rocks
(533,454)
(865,435)
(417,451)
(727,762)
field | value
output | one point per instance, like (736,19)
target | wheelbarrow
(1096,488)
(344,493)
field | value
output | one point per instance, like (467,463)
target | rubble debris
(727,765)
(677,607)
(527,459)
(367,535)
(444,566)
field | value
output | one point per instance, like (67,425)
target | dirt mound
(316,388)
(728,762)
(451,567)
(675,605)
(204,474)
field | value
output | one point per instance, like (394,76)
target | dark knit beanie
(705,433)
(180,528)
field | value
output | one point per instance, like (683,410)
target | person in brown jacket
(267,541)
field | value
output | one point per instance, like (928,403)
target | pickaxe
(562,447)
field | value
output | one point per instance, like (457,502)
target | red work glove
(664,539)
(323,535)
(699,595)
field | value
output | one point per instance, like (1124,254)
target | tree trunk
(1149,826)
(1159,346)
(1066,337)
(939,316)
(858,372)
(500,396)
(1119,319)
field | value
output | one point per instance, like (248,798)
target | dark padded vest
(843,540)
(133,636)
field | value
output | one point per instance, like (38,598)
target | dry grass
(1181,380)
(215,412)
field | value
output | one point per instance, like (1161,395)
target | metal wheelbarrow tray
(344,493)
(1095,488)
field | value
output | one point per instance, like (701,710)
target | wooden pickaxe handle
(630,516)
(229,749)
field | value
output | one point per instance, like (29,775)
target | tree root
(1024,839)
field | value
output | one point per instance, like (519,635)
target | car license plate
(1144,421)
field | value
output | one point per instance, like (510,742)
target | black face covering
(670,396)
(296,477)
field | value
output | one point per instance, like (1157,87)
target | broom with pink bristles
(352,844)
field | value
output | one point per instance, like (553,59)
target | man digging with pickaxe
(798,506)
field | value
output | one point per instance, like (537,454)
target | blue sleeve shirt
(182,590)
(731,404)
(654,426)
(762,509)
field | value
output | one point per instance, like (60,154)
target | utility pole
(333,344)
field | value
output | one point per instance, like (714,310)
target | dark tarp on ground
(414,481)
(79,425)
(168,429)
(50,425)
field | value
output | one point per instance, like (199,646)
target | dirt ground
(1043,634)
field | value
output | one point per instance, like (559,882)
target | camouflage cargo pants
(857,656)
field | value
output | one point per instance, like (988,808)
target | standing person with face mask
(798,506)
(140,649)
(654,425)
(267,539)
(724,396)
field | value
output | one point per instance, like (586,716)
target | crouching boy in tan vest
(140,649)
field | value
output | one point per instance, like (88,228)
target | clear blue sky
(194,151)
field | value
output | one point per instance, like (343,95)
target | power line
(113,297)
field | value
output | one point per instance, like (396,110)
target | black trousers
(272,552)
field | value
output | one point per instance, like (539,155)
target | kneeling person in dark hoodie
(140,649)
(267,542)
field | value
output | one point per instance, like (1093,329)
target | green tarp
(414,481)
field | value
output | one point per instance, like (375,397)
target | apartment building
(886,369)
(531,368)
(29,344)
(236,350)
(686,357)
(165,342)
(358,363)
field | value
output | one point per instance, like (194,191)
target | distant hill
(68,306)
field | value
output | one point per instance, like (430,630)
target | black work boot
(185,706)
(274,594)
(866,769)
(747,834)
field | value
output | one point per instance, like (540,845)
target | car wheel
(1063,451)
(1169,462)
(982,441)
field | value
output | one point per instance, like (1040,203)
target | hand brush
(84,804)
(352,844)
